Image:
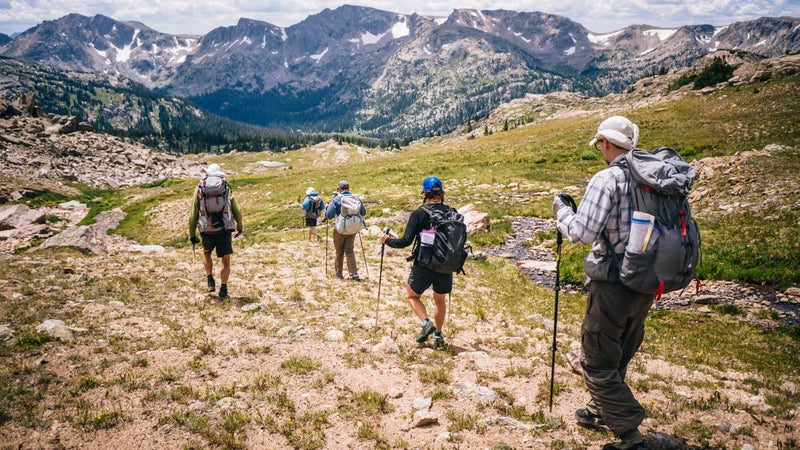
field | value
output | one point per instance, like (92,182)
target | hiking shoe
(223,292)
(438,341)
(211,285)
(356,278)
(632,440)
(427,330)
(339,276)
(587,419)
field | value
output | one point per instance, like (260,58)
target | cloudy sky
(201,16)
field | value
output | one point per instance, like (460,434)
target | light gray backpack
(659,183)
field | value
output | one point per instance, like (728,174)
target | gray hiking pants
(344,246)
(612,331)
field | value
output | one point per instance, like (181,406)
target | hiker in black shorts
(214,212)
(313,205)
(421,278)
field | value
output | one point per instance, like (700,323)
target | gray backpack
(659,183)
(216,214)
(349,221)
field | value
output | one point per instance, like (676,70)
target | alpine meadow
(296,358)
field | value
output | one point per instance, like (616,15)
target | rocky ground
(144,358)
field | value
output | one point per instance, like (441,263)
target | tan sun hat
(213,170)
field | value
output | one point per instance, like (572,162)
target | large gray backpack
(216,214)
(659,183)
(349,221)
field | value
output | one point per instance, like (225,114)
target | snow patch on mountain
(400,29)
(602,39)
(663,34)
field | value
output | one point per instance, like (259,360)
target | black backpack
(449,249)
(659,183)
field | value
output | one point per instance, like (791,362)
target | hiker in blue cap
(418,231)
(313,206)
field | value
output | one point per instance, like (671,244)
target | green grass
(722,342)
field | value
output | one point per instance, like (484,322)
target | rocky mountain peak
(380,72)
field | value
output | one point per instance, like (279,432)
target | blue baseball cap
(432,184)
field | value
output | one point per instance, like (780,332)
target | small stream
(523,249)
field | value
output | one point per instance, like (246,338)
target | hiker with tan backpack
(215,213)
(348,213)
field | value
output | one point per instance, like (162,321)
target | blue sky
(201,16)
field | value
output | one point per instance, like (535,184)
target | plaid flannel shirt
(604,209)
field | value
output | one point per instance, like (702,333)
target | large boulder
(476,221)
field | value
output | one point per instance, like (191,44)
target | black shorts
(311,222)
(421,278)
(223,242)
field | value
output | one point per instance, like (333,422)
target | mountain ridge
(380,73)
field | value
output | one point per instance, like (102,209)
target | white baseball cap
(618,130)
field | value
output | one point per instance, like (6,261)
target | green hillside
(523,165)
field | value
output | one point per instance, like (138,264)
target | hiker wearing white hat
(613,325)
(313,205)
(216,214)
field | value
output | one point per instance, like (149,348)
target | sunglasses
(598,143)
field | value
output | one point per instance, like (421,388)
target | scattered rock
(480,394)
(56,329)
(476,221)
(334,335)
(662,441)
(386,345)
(424,418)
(422,403)
(6,333)
(252,307)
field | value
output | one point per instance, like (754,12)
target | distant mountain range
(378,73)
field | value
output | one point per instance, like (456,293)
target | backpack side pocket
(638,273)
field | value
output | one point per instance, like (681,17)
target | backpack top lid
(662,169)
(432,184)
(213,170)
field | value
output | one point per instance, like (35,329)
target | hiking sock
(438,339)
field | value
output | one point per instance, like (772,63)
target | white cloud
(201,16)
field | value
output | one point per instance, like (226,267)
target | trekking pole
(449,297)
(326,248)
(380,276)
(559,239)
(366,267)
(193,253)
